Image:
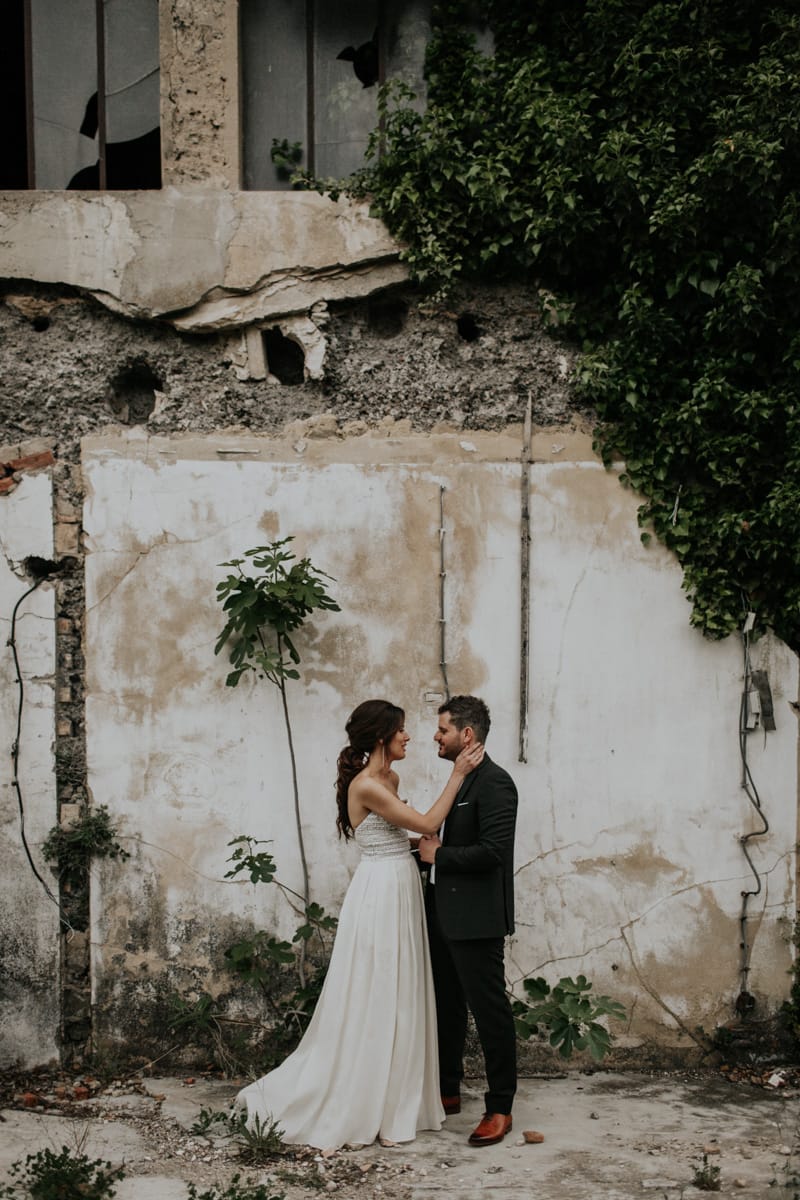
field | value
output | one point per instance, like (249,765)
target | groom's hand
(428,845)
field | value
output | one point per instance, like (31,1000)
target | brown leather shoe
(451,1105)
(492,1128)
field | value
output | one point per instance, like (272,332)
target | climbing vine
(637,162)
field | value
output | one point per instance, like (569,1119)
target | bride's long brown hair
(371,722)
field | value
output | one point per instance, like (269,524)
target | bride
(367,1066)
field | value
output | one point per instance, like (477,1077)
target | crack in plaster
(140,554)
(166,539)
(215,308)
(622,936)
(579,954)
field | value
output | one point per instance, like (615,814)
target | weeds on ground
(789,1181)
(66,1175)
(707,1177)
(236,1191)
(257,1141)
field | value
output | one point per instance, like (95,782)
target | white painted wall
(629,864)
(29,947)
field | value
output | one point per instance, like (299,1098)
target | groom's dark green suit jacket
(475,863)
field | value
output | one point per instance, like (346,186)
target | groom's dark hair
(468,710)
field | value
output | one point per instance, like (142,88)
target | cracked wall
(628,864)
(149,325)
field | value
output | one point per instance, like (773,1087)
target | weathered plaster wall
(628,863)
(200,92)
(30,1001)
(201,258)
(146,311)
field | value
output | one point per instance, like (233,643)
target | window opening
(82,87)
(310,75)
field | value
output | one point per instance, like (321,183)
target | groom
(469,904)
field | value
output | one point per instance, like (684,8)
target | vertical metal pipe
(310,85)
(525,584)
(100,22)
(442,578)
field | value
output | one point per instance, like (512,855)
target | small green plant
(569,1014)
(72,847)
(67,1175)
(707,1177)
(261,960)
(257,1140)
(278,970)
(211,1122)
(265,606)
(201,1020)
(236,1191)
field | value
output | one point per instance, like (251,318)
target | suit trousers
(470,973)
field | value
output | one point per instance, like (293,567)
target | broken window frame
(254,168)
(101,141)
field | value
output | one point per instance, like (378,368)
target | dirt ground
(607,1134)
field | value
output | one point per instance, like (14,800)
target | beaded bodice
(377,838)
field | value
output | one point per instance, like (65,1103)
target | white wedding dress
(367,1066)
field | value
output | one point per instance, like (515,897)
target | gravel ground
(609,1135)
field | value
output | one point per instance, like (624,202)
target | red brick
(32,462)
(7,484)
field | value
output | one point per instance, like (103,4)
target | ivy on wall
(639,163)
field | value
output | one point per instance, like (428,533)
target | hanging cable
(15,747)
(745,1001)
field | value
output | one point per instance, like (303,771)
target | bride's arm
(376,797)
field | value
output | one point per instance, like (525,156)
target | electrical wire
(15,749)
(745,1001)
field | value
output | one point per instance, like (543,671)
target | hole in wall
(133,390)
(285,359)
(40,323)
(386,315)
(38,569)
(468,327)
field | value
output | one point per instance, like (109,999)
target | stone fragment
(533,1137)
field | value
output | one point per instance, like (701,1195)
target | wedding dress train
(367,1066)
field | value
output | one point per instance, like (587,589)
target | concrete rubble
(609,1135)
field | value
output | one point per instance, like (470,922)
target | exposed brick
(69,815)
(63,625)
(66,540)
(64,727)
(7,484)
(32,462)
(65,511)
